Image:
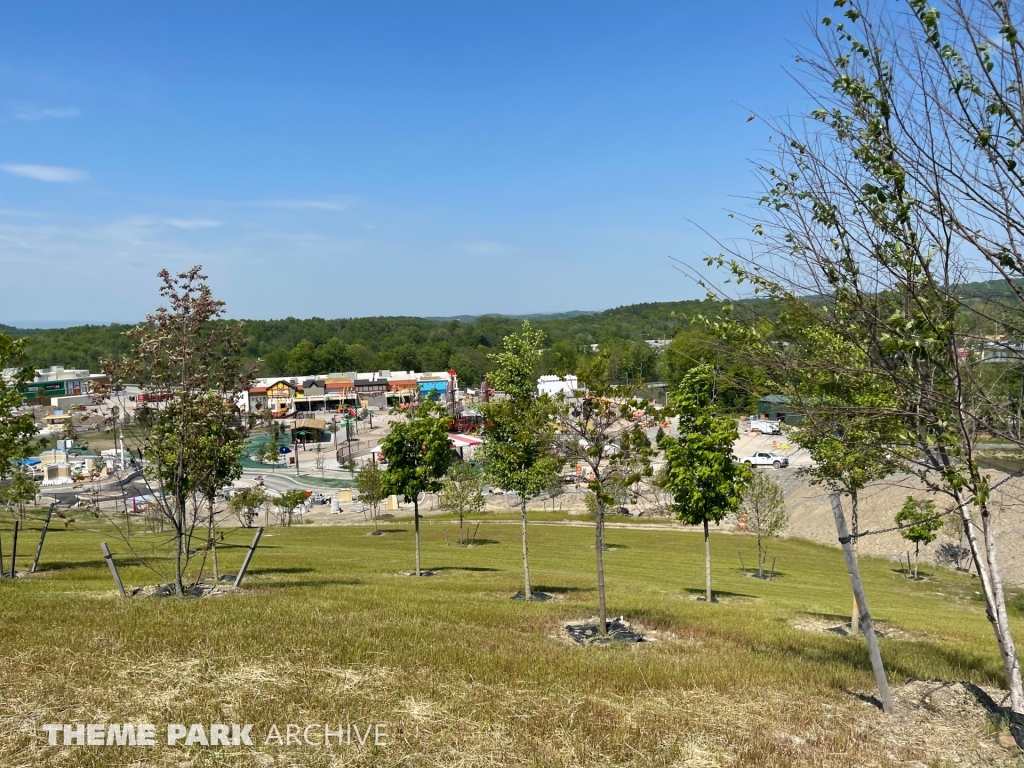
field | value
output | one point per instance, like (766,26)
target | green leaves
(518,434)
(16,431)
(418,453)
(705,483)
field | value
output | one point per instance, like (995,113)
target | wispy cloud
(47,173)
(486,248)
(192,223)
(314,205)
(34,113)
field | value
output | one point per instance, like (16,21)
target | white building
(556,385)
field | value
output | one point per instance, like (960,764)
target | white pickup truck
(765,459)
(764,426)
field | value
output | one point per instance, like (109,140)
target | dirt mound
(811,517)
(820,624)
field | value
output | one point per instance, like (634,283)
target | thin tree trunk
(460,529)
(416,519)
(527,589)
(213,543)
(179,533)
(854,522)
(707,561)
(599,546)
(917,556)
(1000,621)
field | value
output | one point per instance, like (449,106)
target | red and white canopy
(464,441)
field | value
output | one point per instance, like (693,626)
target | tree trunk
(460,529)
(1001,624)
(995,606)
(599,546)
(213,543)
(179,535)
(707,561)
(855,613)
(416,523)
(527,589)
(917,555)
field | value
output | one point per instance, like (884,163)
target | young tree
(370,484)
(954,552)
(706,485)
(21,490)
(16,429)
(825,376)
(596,430)
(217,462)
(517,449)
(462,493)
(288,502)
(192,363)
(247,503)
(555,488)
(877,209)
(418,454)
(269,452)
(918,523)
(318,459)
(764,511)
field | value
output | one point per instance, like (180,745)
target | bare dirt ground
(811,517)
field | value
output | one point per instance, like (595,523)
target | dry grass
(324,632)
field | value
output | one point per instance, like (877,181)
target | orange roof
(396,385)
(256,390)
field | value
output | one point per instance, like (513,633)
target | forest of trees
(309,346)
(301,347)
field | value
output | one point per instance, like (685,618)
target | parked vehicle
(764,426)
(766,459)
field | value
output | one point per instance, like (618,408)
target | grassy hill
(329,629)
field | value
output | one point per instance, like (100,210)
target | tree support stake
(866,624)
(113,568)
(248,557)
(42,538)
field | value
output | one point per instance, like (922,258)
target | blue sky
(348,159)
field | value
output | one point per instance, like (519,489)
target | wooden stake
(867,626)
(42,538)
(248,557)
(14,548)
(113,568)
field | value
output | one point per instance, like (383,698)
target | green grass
(329,629)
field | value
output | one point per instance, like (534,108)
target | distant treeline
(302,347)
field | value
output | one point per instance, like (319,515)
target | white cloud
(192,223)
(487,248)
(42,114)
(47,173)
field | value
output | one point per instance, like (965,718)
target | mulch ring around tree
(197,591)
(536,596)
(618,631)
(818,623)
